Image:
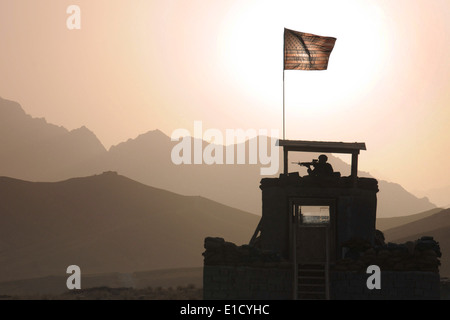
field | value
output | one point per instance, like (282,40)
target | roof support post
(285,158)
(354,173)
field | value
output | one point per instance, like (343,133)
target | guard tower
(308,219)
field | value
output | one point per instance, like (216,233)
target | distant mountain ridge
(390,223)
(31,149)
(107,223)
(439,196)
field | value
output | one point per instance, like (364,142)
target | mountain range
(117,229)
(439,196)
(34,150)
(107,223)
(114,225)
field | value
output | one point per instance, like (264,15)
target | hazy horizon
(146,65)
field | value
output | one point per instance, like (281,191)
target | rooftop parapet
(293,179)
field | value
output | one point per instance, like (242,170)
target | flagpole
(284,120)
(284,60)
(306,52)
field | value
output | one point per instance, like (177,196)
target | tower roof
(322,146)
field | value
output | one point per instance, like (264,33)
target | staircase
(312,282)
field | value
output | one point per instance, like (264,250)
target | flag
(305,51)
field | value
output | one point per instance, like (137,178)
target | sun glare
(251,42)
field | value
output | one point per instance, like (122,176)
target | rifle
(307,164)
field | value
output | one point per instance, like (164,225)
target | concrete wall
(354,216)
(275,221)
(247,283)
(276,283)
(409,285)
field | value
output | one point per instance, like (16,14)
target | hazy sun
(251,42)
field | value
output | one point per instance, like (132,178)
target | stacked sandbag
(420,255)
(220,252)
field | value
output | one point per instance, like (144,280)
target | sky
(138,65)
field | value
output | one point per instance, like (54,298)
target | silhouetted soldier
(321,168)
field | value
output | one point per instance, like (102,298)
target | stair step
(311,270)
(311,298)
(311,289)
(311,293)
(311,281)
(311,274)
(311,284)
